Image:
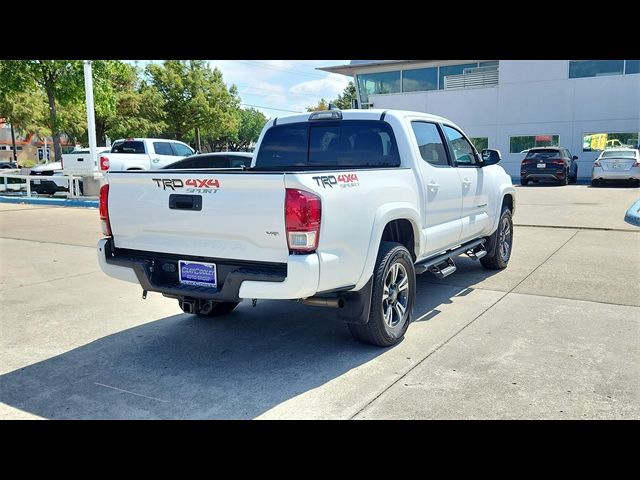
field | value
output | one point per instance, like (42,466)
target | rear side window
(128,147)
(430,143)
(349,143)
(162,148)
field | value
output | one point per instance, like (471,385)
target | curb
(60,202)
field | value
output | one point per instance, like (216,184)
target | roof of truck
(369,114)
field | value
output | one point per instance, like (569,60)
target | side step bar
(442,265)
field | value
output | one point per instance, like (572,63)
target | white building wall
(534,97)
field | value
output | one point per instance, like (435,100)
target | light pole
(91,119)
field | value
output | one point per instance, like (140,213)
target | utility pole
(13,143)
(91,119)
(45,157)
(199,148)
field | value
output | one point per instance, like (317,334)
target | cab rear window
(347,143)
(128,147)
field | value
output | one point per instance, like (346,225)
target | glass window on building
(378,83)
(632,66)
(522,143)
(492,63)
(480,142)
(452,70)
(595,68)
(595,142)
(420,79)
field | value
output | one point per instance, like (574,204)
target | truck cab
(339,209)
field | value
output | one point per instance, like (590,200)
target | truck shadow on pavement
(187,367)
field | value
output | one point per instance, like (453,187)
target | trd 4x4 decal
(344,180)
(195,185)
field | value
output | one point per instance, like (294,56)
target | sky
(279,87)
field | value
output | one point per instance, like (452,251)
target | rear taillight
(302,213)
(527,162)
(636,164)
(104,210)
(596,163)
(104,163)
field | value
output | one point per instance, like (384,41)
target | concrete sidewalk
(555,335)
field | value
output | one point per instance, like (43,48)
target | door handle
(433,185)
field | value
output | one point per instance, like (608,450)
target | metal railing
(73,182)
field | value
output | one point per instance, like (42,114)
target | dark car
(551,163)
(6,164)
(214,160)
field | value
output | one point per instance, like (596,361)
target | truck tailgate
(231,215)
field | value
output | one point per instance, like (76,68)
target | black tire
(565,180)
(379,331)
(595,183)
(536,181)
(219,309)
(499,260)
(524,182)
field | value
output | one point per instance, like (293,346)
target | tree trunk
(53,119)
(100,128)
(13,144)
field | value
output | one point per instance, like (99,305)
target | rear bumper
(157,272)
(599,174)
(542,174)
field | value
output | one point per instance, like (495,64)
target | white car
(339,209)
(620,164)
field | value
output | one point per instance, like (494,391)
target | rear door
(210,214)
(442,193)
(162,154)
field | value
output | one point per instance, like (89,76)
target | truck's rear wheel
(215,309)
(392,298)
(501,242)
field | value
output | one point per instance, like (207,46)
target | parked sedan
(7,164)
(551,163)
(620,164)
(214,160)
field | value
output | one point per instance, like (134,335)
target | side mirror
(490,157)
(575,157)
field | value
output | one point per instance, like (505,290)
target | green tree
(195,96)
(322,105)
(342,101)
(26,111)
(125,106)
(60,80)
(251,123)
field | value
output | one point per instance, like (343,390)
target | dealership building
(514,105)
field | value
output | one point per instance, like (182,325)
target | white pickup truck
(143,154)
(339,209)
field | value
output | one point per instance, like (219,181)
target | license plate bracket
(542,165)
(200,274)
